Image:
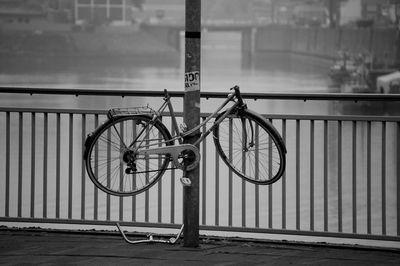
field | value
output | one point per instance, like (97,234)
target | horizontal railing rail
(342,177)
(160,93)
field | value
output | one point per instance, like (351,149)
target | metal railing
(342,177)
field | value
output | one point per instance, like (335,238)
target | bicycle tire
(263,161)
(112,164)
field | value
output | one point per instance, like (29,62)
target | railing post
(192,117)
(398,178)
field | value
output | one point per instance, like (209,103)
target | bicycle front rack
(150,238)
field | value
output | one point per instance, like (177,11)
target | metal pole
(192,117)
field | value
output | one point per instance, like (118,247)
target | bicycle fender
(90,138)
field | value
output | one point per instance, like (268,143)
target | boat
(389,83)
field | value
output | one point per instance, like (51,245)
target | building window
(84,13)
(100,11)
(100,15)
(84,2)
(116,2)
(116,13)
(100,2)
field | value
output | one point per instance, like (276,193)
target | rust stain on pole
(192,116)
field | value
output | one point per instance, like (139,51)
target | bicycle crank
(185,156)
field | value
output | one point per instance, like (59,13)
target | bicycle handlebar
(166,94)
(237,94)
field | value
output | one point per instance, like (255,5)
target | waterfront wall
(70,43)
(164,40)
(381,43)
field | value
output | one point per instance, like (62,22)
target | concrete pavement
(35,247)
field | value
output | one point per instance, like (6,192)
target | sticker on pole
(192,81)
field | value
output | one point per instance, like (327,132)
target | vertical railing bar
(33,151)
(257,176)
(243,185)
(369,177)
(133,203)
(58,154)
(159,188)
(216,188)
(230,198)
(159,200)
(45,158)
(325,175)
(204,177)
(70,165)
(96,191)
(354,177)
(20,163)
(243,203)
(83,172)
(108,197)
(398,178)
(298,174)
(312,140)
(340,210)
(146,193)
(383,184)
(284,180)
(121,174)
(173,184)
(270,204)
(7,188)
(173,196)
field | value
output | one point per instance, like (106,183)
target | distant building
(350,11)
(380,11)
(102,11)
(19,11)
(165,11)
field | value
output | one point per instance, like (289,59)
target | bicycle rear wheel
(251,147)
(112,159)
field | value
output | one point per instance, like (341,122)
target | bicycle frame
(181,135)
(175,150)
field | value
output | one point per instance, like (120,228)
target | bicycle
(132,150)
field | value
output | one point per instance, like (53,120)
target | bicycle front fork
(247,145)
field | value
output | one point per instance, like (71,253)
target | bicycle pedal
(186,182)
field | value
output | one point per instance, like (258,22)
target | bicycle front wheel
(251,147)
(112,155)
